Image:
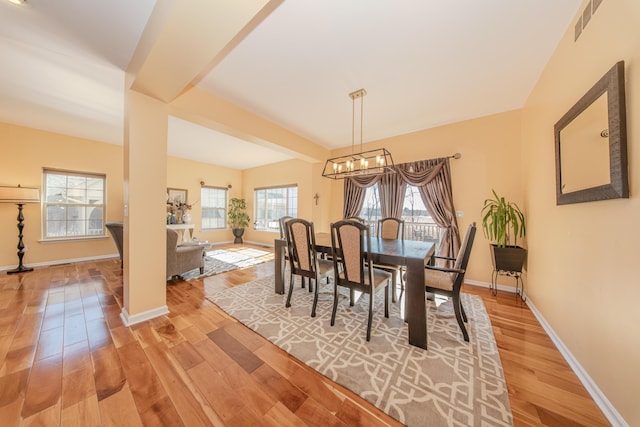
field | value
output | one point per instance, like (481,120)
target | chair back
(463,254)
(116,230)
(391,228)
(282,222)
(301,241)
(350,255)
(356,218)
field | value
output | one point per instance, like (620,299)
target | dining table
(411,254)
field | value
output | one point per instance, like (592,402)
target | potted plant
(501,222)
(238,218)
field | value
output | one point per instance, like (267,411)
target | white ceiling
(423,63)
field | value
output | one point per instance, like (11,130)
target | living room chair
(116,231)
(181,259)
(353,268)
(448,281)
(392,229)
(303,258)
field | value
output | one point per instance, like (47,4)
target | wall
(583,275)
(25,152)
(188,174)
(490,148)
(299,172)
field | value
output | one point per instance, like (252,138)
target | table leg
(279,260)
(416,308)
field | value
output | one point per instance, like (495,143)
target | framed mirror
(591,144)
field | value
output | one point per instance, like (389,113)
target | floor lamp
(19,196)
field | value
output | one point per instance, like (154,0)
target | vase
(186,218)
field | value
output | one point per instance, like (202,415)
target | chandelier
(372,162)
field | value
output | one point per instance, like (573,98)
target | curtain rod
(455,156)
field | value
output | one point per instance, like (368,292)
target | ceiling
(423,64)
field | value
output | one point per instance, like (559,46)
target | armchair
(181,259)
(116,230)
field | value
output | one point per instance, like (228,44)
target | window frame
(288,210)
(224,208)
(45,205)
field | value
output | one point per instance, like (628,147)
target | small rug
(221,260)
(453,383)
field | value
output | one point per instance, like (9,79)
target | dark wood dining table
(412,254)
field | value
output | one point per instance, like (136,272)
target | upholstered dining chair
(356,218)
(448,281)
(353,268)
(303,258)
(116,230)
(393,229)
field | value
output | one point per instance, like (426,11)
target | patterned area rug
(453,383)
(221,260)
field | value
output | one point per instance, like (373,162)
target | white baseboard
(61,261)
(488,285)
(129,320)
(598,396)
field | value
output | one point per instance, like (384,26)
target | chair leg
(302,280)
(352,297)
(456,309)
(335,303)
(386,300)
(288,304)
(370,315)
(315,298)
(464,315)
(393,286)
(311,285)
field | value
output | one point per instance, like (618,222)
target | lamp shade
(19,194)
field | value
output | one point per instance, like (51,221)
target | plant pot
(509,258)
(237,232)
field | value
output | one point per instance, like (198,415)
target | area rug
(218,261)
(453,383)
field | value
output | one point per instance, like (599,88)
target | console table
(181,228)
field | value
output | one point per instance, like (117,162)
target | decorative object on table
(502,221)
(19,196)
(363,163)
(453,383)
(238,218)
(177,206)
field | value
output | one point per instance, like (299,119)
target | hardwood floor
(66,359)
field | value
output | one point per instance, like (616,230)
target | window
(272,204)
(214,207)
(418,224)
(73,204)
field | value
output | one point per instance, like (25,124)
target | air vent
(585,17)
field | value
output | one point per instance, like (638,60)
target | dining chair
(356,218)
(448,281)
(353,268)
(303,258)
(393,229)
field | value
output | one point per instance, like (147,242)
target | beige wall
(188,174)
(291,172)
(583,275)
(490,148)
(24,153)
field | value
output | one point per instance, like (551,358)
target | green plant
(238,217)
(501,220)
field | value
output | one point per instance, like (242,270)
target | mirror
(591,144)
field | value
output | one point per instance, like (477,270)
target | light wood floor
(66,359)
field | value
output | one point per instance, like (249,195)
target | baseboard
(504,288)
(129,320)
(62,261)
(598,396)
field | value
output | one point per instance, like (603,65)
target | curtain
(433,179)
(392,188)
(354,192)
